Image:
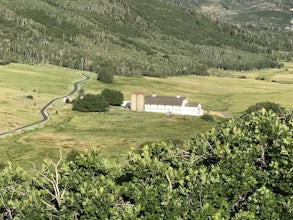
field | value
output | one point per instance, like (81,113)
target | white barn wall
(177,110)
(164,104)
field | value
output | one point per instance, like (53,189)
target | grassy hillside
(134,37)
(115,132)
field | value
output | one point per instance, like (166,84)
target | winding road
(43,110)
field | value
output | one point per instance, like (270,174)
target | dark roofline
(164,100)
(192,104)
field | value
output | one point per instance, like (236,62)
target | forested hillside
(269,14)
(133,38)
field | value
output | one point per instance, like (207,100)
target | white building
(166,104)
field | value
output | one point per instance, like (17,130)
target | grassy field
(115,132)
(19,81)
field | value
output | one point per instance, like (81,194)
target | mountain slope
(269,14)
(133,37)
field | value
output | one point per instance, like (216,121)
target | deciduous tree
(113,97)
(91,103)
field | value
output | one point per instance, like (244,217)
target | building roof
(191,104)
(136,93)
(164,100)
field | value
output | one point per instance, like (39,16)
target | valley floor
(114,133)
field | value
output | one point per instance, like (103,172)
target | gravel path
(43,110)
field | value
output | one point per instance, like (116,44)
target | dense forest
(241,169)
(133,38)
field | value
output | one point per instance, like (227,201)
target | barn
(165,104)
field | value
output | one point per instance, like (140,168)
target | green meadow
(19,81)
(115,132)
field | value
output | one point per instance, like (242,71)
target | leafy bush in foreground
(242,169)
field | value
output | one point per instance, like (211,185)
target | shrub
(67,101)
(81,93)
(2,165)
(4,62)
(29,97)
(106,75)
(73,155)
(208,117)
(91,103)
(241,168)
(276,108)
(113,97)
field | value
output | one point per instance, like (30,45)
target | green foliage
(242,169)
(113,97)
(67,101)
(208,117)
(276,108)
(72,155)
(14,190)
(106,75)
(2,165)
(29,97)
(81,93)
(91,189)
(91,103)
